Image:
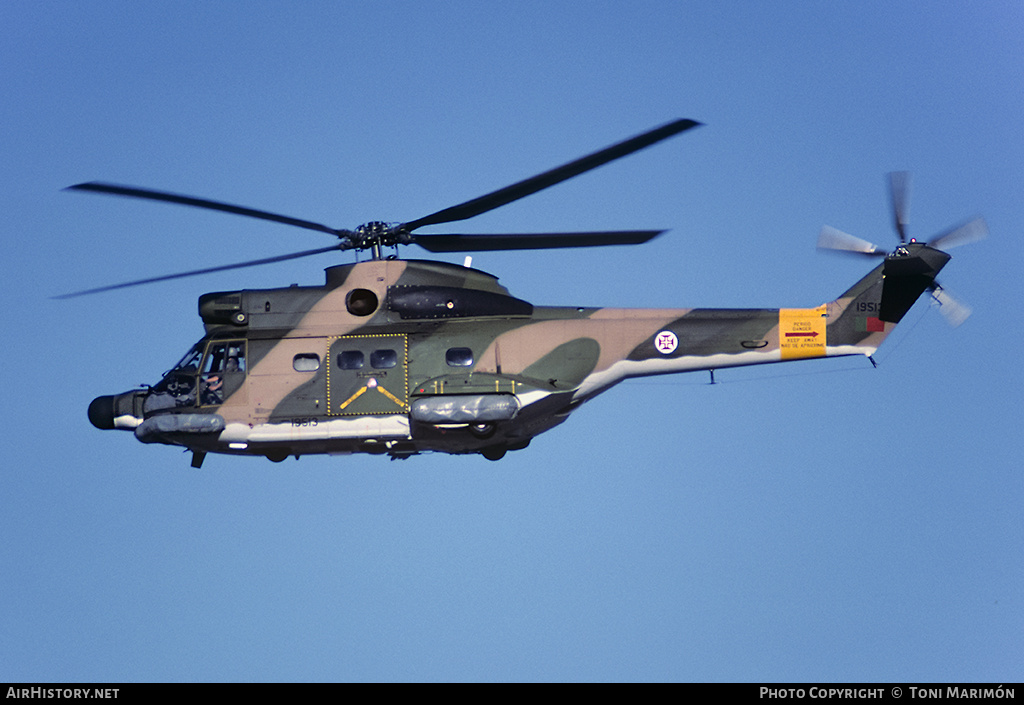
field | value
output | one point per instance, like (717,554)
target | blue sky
(823,521)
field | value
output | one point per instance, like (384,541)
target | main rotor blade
(531,241)
(534,184)
(208,270)
(975,230)
(151,195)
(832,239)
(899,192)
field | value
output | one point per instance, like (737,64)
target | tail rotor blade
(954,311)
(899,192)
(832,239)
(969,232)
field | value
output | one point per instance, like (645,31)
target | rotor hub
(368,235)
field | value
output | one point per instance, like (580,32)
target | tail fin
(860,319)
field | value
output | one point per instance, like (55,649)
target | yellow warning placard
(802,332)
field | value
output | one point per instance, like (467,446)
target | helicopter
(400,357)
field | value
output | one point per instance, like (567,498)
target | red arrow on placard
(802,335)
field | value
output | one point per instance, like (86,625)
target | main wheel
(494,452)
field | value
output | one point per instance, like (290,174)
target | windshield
(178,387)
(190,363)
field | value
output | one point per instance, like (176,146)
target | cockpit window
(207,380)
(178,387)
(225,357)
(223,371)
(190,363)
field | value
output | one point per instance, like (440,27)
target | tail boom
(856,323)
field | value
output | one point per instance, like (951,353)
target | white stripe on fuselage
(625,369)
(318,429)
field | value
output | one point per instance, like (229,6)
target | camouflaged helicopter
(401,357)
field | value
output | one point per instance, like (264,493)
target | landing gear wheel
(276,456)
(494,453)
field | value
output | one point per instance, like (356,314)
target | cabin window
(351,360)
(306,362)
(383,359)
(459,357)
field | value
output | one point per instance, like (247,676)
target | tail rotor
(953,310)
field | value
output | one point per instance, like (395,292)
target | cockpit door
(368,375)
(223,372)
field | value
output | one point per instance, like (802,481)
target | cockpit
(207,375)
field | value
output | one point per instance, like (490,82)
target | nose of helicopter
(122,411)
(101,412)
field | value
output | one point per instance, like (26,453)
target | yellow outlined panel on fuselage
(359,385)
